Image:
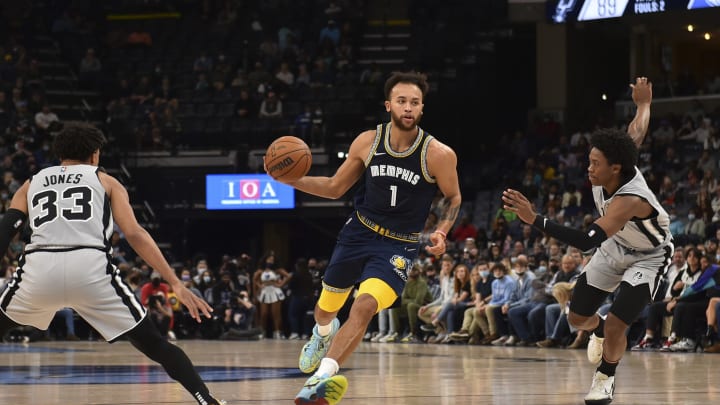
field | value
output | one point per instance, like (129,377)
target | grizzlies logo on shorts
(401,265)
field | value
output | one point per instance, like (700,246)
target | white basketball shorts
(613,263)
(83,279)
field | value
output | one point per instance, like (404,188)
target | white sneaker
(294,336)
(511,341)
(601,391)
(595,349)
(389,338)
(377,337)
(171,336)
(500,341)
(684,345)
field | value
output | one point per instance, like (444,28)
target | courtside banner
(247,192)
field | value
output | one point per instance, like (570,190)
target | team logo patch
(400,265)
(637,276)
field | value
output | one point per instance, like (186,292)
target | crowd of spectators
(239,73)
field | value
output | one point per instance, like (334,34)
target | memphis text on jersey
(394,171)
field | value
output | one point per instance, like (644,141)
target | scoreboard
(561,11)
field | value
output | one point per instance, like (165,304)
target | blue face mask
(484,274)
(269,265)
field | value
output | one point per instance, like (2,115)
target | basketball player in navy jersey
(632,237)
(70,209)
(401,167)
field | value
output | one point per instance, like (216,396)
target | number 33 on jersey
(69,193)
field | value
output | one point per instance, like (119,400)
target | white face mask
(201,270)
(691,216)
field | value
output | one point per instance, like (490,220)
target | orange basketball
(288,158)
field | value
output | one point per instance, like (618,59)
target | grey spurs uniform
(67,262)
(640,252)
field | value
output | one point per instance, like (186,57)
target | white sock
(328,367)
(324,330)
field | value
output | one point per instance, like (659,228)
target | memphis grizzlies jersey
(68,207)
(638,234)
(397,191)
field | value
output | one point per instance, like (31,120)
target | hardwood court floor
(265,372)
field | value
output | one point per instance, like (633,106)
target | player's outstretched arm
(14,218)
(619,212)
(141,241)
(642,97)
(442,164)
(346,175)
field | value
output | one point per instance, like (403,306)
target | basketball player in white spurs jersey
(70,209)
(632,237)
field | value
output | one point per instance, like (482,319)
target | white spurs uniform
(641,251)
(67,262)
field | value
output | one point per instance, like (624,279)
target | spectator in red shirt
(154,287)
(464,229)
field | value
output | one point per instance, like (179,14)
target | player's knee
(380,291)
(145,337)
(364,308)
(578,321)
(614,326)
(332,301)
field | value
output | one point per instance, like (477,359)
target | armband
(441,233)
(10,224)
(573,237)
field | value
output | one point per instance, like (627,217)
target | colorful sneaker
(316,348)
(601,391)
(595,349)
(409,338)
(322,390)
(668,343)
(644,344)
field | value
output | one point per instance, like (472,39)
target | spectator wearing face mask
(183,324)
(154,287)
(154,296)
(200,268)
(695,227)
(189,282)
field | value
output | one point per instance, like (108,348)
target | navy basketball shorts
(361,254)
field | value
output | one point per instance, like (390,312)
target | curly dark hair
(411,77)
(499,266)
(78,141)
(618,148)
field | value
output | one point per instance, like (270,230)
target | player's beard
(397,122)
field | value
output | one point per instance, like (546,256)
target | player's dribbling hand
(438,244)
(641,91)
(516,202)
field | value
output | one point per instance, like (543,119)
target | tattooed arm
(442,164)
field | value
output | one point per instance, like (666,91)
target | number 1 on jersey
(393,195)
